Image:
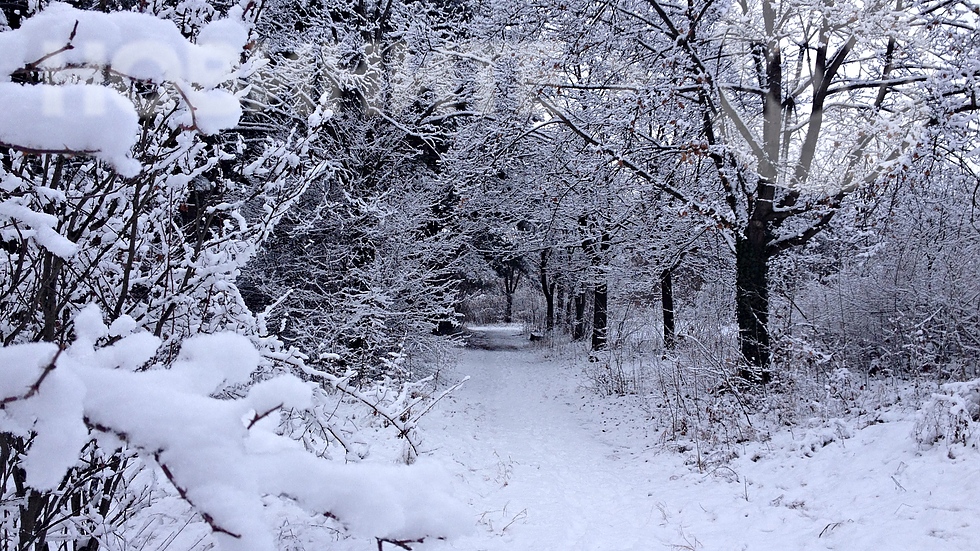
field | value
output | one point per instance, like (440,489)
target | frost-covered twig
(340,384)
(401,544)
(260,416)
(442,395)
(215,527)
(36,64)
(33,389)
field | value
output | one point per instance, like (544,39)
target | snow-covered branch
(223,456)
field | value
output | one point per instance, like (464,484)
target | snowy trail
(560,486)
(540,472)
(544,480)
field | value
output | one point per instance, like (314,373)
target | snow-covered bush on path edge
(222,455)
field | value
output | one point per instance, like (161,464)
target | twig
(36,386)
(260,416)
(215,527)
(42,151)
(339,384)
(397,543)
(190,106)
(522,515)
(831,527)
(33,66)
(441,396)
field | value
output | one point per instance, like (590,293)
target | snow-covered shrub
(892,288)
(223,456)
(613,375)
(117,189)
(701,411)
(349,422)
(154,225)
(951,415)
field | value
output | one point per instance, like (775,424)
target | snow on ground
(542,467)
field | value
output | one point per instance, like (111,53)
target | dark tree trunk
(600,316)
(667,300)
(512,276)
(600,294)
(752,302)
(578,324)
(548,289)
(561,309)
(751,247)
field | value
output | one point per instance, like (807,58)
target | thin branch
(34,65)
(887,83)
(340,384)
(215,527)
(634,168)
(36,386)
(260,416)
(40,151)
(401,544)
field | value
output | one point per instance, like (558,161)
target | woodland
(243,243)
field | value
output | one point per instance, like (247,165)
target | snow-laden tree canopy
(82,111)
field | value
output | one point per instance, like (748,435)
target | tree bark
(667,301)
(595,244)
(751,247)
(561,306)
(600,316)
(548,289)
(752,302)
(512,276)
(600,293)
(578,324)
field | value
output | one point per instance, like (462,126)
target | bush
(951,415)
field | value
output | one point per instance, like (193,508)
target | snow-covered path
(552,484)
(541,472)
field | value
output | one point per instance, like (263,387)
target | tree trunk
(561,308)
(578,324)
(597,249)
(548,289)
(751,254)
(512,276)
(667,301)
(600,316)
(752,302)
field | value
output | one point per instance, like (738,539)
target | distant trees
(365,265)
(794,104)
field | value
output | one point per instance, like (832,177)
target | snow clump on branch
(224,456)
(93,118)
